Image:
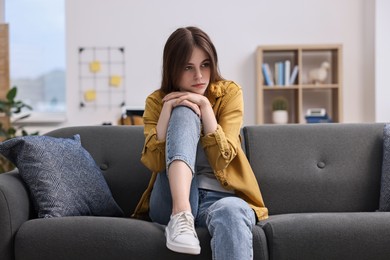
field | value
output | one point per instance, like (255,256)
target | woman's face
(196,73)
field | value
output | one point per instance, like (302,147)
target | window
(37,54)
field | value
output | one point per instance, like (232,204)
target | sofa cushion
(98,238)
(337,166)
(102,238)
(356,236)
(62,177)
(384,201)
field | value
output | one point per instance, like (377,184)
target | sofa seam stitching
(9,212)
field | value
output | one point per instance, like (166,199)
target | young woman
(201,176)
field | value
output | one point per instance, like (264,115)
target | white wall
(382,79)
(2,11)
(236,28)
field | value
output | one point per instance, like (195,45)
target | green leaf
(10,107)
(11,131)
(17,110)
(12,94)
(21,118)
(24,132)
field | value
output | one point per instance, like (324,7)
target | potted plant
(8,109)
(280,110)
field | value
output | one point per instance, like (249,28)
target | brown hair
(177,52)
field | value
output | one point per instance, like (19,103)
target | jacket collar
(215,90)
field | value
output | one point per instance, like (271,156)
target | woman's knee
(183,114)
(184,110)
(231,209)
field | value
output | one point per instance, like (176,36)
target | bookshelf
(4,68)
(310,89)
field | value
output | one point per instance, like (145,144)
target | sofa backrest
(117,151)
(317,167)
(300,168)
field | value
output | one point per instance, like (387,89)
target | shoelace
(184,225)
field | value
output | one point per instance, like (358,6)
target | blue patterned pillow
(62,176)
(384,201)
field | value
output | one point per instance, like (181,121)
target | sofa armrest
(15,209)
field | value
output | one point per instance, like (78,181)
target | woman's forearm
(163,121)
(208,118)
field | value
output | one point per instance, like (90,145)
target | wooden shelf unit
(302,94)
(4,68)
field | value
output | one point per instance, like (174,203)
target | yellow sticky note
(115,81)
(90,95)
(94,66)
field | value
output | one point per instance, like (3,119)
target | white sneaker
(181,235)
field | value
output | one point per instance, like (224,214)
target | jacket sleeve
(153,153)
(221,146)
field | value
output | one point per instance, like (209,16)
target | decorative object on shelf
(8,108)
(318,75)
(317,115)
(280,110)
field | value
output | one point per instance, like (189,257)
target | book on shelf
(279,73)
(286,72)
(283,74)
(267,75)
(318,119)
(276,74)
(294,75)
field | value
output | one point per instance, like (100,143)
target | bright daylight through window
(37,54)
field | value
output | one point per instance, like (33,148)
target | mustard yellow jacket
(222,148)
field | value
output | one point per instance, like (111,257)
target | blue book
(280,73)
(266,74)
(318,119)
(269,72)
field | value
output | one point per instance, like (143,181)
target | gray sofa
(320,182)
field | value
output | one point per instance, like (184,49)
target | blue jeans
(228,218)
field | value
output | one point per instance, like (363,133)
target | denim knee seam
(180,158)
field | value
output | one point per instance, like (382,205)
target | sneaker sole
(179,248)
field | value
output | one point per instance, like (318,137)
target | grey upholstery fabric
(300,168)
(127,178)
(16,208)
(62,177)
(260,246)
(384,202)
(318,167)
(98,238)
(105,238)
(117,151)
(324,236)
